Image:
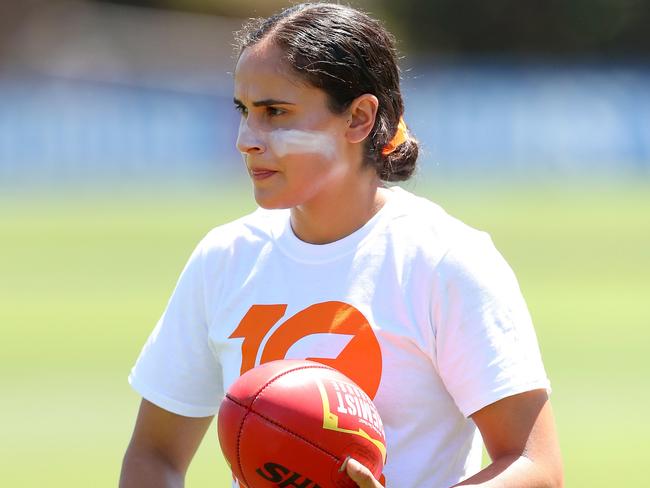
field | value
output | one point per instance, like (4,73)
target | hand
(360,474)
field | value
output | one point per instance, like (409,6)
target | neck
(338,216)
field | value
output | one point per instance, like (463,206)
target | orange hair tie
(400,137)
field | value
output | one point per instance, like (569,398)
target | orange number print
(360,359)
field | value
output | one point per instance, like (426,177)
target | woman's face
(294,147)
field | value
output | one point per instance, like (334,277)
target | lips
(261,173)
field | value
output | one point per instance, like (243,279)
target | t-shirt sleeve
(486,348)
(177,369)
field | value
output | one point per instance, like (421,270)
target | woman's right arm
(161,448)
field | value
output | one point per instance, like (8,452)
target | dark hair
(345,53)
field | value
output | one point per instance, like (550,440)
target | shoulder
(425,224)
(455,252)
(463,257)
(252,230)
(234,244)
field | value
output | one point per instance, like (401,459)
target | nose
(248,139)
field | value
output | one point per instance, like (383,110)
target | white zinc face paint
(283,142)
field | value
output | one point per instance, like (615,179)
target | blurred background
(117,155)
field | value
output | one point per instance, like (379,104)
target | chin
(268,202)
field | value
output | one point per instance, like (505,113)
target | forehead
(262,72)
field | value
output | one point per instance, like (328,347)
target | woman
(416,307)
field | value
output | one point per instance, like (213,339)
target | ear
(361,114)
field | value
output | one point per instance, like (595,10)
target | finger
(360,474)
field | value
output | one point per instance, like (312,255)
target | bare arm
(520,437)
(161,448)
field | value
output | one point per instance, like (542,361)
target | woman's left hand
(361,475)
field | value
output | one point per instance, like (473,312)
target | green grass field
(84,278)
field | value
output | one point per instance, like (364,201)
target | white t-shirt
(416,307)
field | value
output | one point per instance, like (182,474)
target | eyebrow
(264,103)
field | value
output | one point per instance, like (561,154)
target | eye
(274,111)
(241,109)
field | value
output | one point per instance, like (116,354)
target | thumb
(360,474)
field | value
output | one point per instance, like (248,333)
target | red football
(293,423)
